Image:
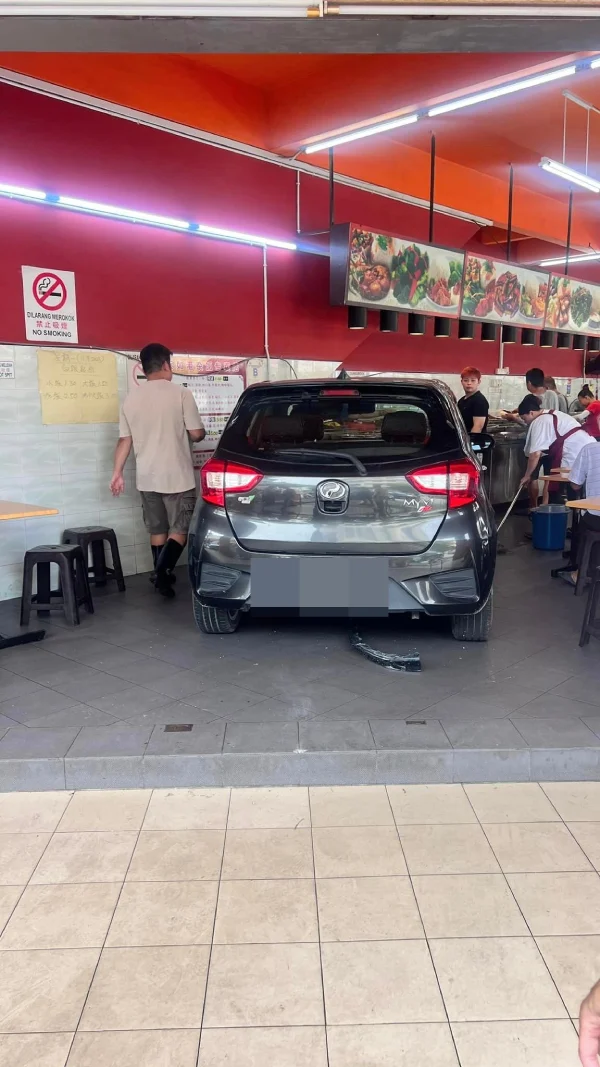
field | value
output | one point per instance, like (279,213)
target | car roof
(349,383)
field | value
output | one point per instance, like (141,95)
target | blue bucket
(549,527)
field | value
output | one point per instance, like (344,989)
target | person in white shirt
(556,433)
(586,472)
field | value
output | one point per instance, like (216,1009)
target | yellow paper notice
(77,386)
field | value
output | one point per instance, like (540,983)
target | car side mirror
(481,442)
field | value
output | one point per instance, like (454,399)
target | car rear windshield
(377,425)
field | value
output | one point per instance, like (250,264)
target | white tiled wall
(69,467)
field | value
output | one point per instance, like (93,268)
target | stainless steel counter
(508,462)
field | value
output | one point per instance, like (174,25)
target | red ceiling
(277,102)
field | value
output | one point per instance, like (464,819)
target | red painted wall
(135,284)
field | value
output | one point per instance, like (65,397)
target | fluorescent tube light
(72,203)
(595,64)
(583,258)
(501,90)
(570,175)
(156,9)
(356,135)
(22,194)
(122,213)
(246,238)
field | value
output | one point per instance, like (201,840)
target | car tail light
(339,392)
(458,481)
(219,477)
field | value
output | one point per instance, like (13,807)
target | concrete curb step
(369,767)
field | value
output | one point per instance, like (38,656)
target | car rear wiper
(322,452)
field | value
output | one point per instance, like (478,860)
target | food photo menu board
(573,306)
(378,271)
(495,291)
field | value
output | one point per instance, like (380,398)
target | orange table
(9,509)
(591,504)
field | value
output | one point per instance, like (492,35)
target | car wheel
(215,620)
(474,627)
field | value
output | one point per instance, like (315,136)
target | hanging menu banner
(573,306)
(379,271)
(496,291)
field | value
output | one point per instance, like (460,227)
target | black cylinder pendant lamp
(563,340)
(442,327)
(489,331)
(416,324)
(527,336)
(593,344)
(466,330)
(578,340)
(357,318)
(509,335)
(388,321)
(546,339)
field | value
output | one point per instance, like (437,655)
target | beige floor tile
(270,1046)
(34,1050)
(141,1048)
(268,809)
(61,916)
(559,903)
(106,809)
(447,850)
(588,836)
(495,978)
(9,895)
(410,1045)
(44,991)
(468,905)
(380,982)
(575,801)
(517,1044)
(266,912)
(268,854)
(355,851)
(164,913)
(511,802)
(413,804)
(188,809)
(86,857)
(574,963)
(31,812)
(532,847)
(147,989)
(367,909)
(342,805)
(264,985)
(19,855)
(177,856)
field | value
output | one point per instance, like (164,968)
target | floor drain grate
(178,727)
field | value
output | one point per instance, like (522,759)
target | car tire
(215,620)
(474,627)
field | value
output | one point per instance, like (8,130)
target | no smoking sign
(50,305)
(50,292)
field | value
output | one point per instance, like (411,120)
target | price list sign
(216,396)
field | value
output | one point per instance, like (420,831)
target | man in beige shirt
(160,420)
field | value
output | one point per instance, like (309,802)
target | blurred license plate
(339,585)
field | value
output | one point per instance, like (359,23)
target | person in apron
(553,432)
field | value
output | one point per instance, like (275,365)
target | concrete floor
(290,703)
(322,927)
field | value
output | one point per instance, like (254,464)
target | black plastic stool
(84,536)
(74,584)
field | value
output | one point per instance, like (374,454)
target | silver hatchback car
(344,498)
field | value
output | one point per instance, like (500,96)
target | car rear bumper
(454,576)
